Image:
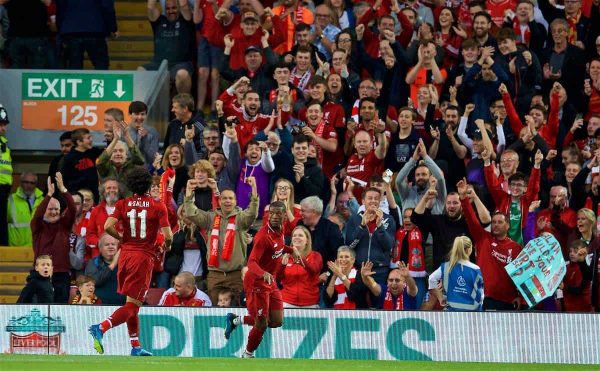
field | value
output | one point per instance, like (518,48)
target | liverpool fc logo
(35,334)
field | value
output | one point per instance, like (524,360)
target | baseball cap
(249,15)
(3,116)
(252,48)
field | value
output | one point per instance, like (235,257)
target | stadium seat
(153,296)
(72,292)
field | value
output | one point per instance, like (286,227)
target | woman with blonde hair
(585,230)
(284,192)
(300,279)
(206,191)
(461,280)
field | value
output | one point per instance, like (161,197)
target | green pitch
(103,363)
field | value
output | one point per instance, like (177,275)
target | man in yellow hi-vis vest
(5,176)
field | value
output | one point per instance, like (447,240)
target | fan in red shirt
(366,161)
(184,293)
(142,218)
(494,251)
(264,300)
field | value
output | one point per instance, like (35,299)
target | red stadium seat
(153,296)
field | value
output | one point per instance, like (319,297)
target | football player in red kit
(264,300)
(142,217)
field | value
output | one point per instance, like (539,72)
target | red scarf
(572,38)
(388,302)
(416,257)
(319,132)
(164,183)
(342,300)
(355,112)
(521,38)
(213,259)
(273,96)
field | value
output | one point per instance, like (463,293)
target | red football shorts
(261,300)
(134,274)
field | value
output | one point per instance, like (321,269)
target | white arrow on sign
(119,92)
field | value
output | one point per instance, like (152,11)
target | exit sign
(67,101)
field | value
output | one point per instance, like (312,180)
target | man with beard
(494,250)
(323,136)
(410,195)
(396,293)
(51,229)
(482,24)
(367,120)
(292,12)
(446,149)
(144,136)
(448,225)
(250,121)
(110,190)
(173,41)
(253,67)
(368,88)
(265,303)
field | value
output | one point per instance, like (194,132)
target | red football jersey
(266,255)
(142,218)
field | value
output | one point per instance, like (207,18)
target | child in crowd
(225,298)
(577,281)
(86,286)
(39,287)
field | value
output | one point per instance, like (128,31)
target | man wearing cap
(250,33)
(259,74)
(5,176)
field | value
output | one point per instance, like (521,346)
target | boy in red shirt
(142,217)
(576,285)
(264,300)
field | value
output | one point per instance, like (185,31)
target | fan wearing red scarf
(400,289)
(264,300)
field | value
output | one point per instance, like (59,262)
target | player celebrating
(141,218)
(264,300)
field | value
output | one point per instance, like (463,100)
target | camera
(229,123)
(297,128)
(387,176)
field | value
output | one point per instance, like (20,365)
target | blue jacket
(375,247)
(86,17)
(106,281)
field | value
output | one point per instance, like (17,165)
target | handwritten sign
(538,270)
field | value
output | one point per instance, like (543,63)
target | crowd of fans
(392,130)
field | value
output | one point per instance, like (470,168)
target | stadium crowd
(417,145)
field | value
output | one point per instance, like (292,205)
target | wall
(325,334)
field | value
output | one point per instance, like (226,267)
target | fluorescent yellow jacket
(19,217)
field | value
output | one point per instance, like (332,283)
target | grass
(89,363)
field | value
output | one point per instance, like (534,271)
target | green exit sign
(77,86)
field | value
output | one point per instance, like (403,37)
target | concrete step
(16,254)
(130,45)
(16,278)
(8,299)
(11,289)
(16,267)
(134,27)
(131,8)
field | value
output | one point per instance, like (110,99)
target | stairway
(15,264)
(135,46)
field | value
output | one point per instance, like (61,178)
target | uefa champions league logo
(35,334)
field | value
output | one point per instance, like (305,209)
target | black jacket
(37,290)
(174,258)
(311,184)
(326,239)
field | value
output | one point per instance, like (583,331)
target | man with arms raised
(142,218)
(264,300)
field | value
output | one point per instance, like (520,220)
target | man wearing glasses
(5,176)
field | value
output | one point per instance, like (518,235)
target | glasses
(283,188)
